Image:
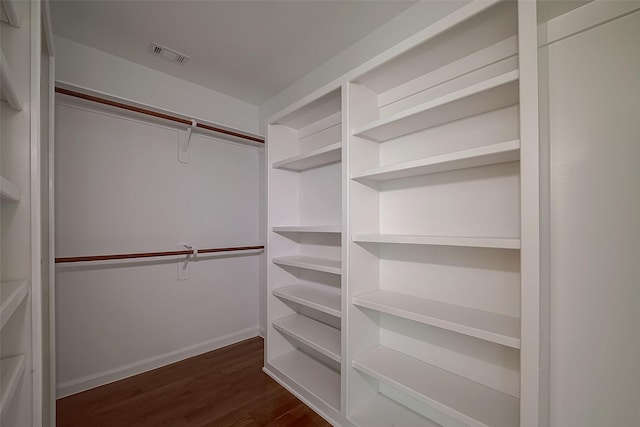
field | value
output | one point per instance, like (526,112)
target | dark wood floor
(225,387)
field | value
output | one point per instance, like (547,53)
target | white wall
(594,134)
(83,66)
(119,189)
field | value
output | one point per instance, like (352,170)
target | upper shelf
(320,157)
(7,87)
(308,229)
(11,370)
(320,337)
(467,401)
(488,326)
(414,239)
(12,293)
(489,95)
(482,156)
(8,191)
(311,263)
(312,297)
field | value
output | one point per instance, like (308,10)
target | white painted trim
(36,215)
(52,241)
(105,377)
(48,28)
(261,332)
(529,217)
(584,18)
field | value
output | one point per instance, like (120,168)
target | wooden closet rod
(154,254)
(155,114)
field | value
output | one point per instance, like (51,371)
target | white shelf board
(493,154)
(11,295)
(465,400)
(7,88)
(492,94)
(485,325)
(411,239)
(11,369)
(308,229)
(320,157)
(310,374)
(8,191)
(311,263)
(309,296)
(384,412)
(320,337)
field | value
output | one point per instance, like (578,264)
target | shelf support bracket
(184,141)
(183,267)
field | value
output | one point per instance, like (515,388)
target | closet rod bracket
(183,143)
(183,267)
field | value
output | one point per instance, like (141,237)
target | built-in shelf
(310,296)
(462,399)
(320,157)
(8,90)
(11,293)
(11,369)
(315,377)
(308,229)
(8,191)
(414,239)
(322,338)
(493,327)
(489,95)
(482,156)
(384,412)
(311,263)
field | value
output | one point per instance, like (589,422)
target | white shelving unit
(305,177)
(11,370)
(419,320)
(12,293)
(8,191)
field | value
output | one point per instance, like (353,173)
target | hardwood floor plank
(221,388)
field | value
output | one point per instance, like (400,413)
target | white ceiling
(250,50)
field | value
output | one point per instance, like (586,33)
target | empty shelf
(413,239)
(311,263)
(465,400)
(384,412)
(8,88)
(11,295)
(485,325)
(309,296)
(310,374)
(320,337)
(11,369)
(489,95)
(482,156)
(308,229)
(319,157)
(8,191)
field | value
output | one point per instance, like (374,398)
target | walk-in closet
(395,213)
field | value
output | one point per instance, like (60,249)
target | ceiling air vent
(168,54)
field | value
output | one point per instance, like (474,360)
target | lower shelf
(462,399)
(11,293)
(320,337)
(309,296)
(311,263)
(312,375)
(11,370)
(384,412)
(8,191)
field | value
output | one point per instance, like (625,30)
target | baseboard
(261,332)
(105,377)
